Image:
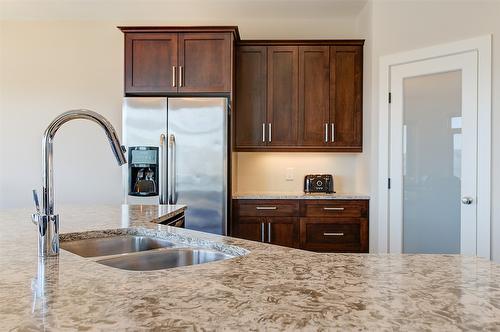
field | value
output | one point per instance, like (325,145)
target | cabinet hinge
(389,183)
(390,97)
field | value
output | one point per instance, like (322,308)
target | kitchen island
(267,287)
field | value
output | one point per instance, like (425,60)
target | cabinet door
(282,103)
(346,84)
(250,114)
(250,228)
(334,234)
(283,231)
(150,62)
(205,62)
(314,69)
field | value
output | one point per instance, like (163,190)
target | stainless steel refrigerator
(178,154)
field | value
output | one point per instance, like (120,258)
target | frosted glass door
(433,156)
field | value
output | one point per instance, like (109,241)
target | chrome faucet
(45,219)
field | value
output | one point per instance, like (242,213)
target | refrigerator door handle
(171,143)
(162,180)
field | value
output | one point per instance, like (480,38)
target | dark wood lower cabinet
(334,234)
(317,225)
(250,228)
(283,231)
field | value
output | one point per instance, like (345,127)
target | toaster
(319,183)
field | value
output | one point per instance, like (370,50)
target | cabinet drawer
(334,208)
(267,208)
(334,234)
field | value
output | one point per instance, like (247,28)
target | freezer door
(197,137)
(144,121)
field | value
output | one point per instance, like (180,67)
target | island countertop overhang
(271,288)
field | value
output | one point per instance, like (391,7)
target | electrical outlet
(289,174)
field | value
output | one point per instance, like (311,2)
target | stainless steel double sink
(141,253)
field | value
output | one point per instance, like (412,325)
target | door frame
(482,46)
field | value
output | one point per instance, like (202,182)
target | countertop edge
(299,196)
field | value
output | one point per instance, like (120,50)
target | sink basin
(105,246)
(164,259)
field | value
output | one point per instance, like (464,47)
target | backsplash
(267,171)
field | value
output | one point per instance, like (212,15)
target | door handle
(326,132)
(467,200)
(270,132)
(268,232)
(171,197)
(262,232)
(181,78)
(333,208)
(263,132)
(174,78)
(162,178)
(266,208)
(333,234)
(333,131)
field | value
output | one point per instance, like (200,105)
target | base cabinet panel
(316,225)
(250,228)
(334,235)
(283,231)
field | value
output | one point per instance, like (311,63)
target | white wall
(404,25)
(56,56)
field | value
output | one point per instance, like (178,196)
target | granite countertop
(265,288)
(300,195)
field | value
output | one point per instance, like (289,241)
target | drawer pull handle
(333,208)
(333,234)
(266,208)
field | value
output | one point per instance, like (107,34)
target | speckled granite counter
(287,195)
(271,288)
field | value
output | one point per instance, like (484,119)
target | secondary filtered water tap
(46,219)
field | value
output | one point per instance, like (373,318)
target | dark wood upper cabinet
(171,60)
(205,62)
(313,93)
(314,118)
(282,97)
(150,61)
(346,86)
(251,91)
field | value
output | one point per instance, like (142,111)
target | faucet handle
(36,201)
